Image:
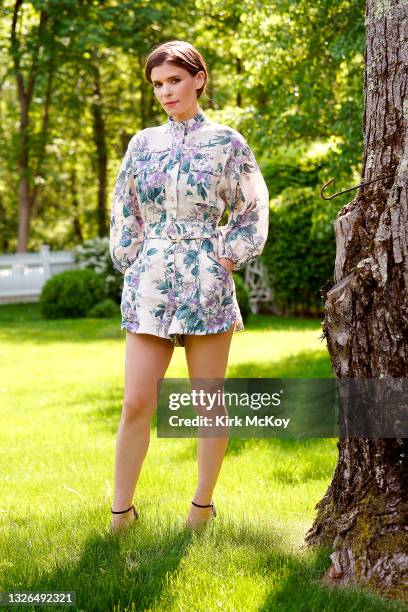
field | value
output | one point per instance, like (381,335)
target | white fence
(22,275)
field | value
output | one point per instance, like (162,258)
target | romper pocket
(225,274)
(215,271)
(135,263)
(131,282)
(221,266)
(217,289)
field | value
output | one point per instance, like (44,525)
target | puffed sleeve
(126,223)
(243,237)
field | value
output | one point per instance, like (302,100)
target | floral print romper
(174,184)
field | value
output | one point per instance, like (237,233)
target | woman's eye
(173,81)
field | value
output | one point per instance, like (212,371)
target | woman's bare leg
(147,359)
(207,357)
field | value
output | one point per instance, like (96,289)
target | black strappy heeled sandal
(211,505)
(123,512)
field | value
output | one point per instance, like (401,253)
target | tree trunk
(24,188)
(364,513)
(35,201)
(26,195)
(76,223)
(101,152)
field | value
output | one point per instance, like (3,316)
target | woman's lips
(171,103)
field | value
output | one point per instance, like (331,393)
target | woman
(173,186)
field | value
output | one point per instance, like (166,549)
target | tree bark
(26,193)
(35,204)
(364,513)
(76,223)
(101,152)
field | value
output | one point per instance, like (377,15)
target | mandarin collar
(188,125)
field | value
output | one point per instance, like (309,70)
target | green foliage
(105,309)
(300,252)
(296,165)
(94,254)
(71,294)
(287,74)
(242,293)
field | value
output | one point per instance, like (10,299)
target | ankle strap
(200,506)
(122,511)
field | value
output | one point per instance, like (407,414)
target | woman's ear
(200,78)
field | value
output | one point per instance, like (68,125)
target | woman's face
(174,84)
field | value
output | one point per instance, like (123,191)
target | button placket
(171,229)
(171,192)
(179,131)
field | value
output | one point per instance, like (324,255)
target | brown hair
(178,53)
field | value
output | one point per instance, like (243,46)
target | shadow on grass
(66,330)
(301,589)
(261,322)
(112,569)
(15,318)
(31,312)
(295,459)
(142,568)
(23,323)
(306,364)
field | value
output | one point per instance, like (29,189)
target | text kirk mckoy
(226,421)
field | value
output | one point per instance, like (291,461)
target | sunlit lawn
(61,390)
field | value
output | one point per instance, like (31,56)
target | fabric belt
(179,230)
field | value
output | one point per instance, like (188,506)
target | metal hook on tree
(350,188)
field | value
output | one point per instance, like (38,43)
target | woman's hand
(226,263)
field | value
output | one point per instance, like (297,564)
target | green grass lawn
(61,390)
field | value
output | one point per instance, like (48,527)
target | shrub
(71,294)
(105,309)
(243,295)
(94,254)
(300,251)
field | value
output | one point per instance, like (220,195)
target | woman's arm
(243,237)
(126,223)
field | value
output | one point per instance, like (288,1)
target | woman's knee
(137,407)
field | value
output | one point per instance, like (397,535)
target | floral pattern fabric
(173,186)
